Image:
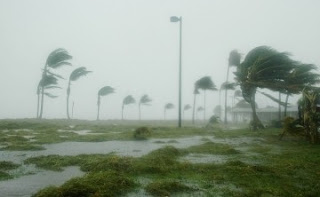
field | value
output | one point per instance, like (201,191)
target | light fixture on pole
(175,19)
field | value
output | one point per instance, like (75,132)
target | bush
(142,133)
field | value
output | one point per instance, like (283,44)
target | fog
(132,46)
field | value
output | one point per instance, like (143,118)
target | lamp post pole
(179,19)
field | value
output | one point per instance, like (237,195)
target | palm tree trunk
(194,107)
(72,109)
(98,103)
(286,105)
(204,105)
(38,104)
(279,115)
(164,114)
(44,74)
(226,99)
(68,95)
(256,123)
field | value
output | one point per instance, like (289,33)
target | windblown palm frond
(55,75)
(128,100)
(199,109)
(78,72)
(187,107)
(205,83)
(169,106)
(48,80)
(234,58)
(273,99)
(228,86)
(58,58)
(105,91)
(145,100)
(50,95)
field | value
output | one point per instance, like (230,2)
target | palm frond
(273,98)
(78,72)
(50,95)
(205,83)
(199,109)
(48,80)
(169,106)
(105,91)
(234,58)
(187,107)
(228,86)
(128,100)
(145,100)
(54,74)
(58,58)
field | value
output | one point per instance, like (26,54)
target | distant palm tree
(103,92)
(46,83)
(75,75)
(205,83)
(56,59)
(227,86)
(144,100)
(167,107)
(200,109)
(127,101)
(195,92)
(186,107)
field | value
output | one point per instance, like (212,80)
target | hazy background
(132,46)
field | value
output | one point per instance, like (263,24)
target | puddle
(80,132)
(205,158)
(27,185)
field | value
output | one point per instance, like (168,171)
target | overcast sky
(132,46)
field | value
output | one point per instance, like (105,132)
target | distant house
(265,114)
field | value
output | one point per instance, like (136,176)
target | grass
(5,166)
(213,148)
(166,187)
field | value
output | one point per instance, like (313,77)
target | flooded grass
(213,148)
(166,188)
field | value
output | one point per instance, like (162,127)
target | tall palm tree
(144,100)
(127,101)
(263,67)
(205,83)
(103,92)
(185,108)
(75,75)
(234,60)
(56,59)
(167,106)
(195,92)
(227,86)
(46,83)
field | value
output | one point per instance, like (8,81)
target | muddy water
(25,186)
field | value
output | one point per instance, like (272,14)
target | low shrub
(142,133)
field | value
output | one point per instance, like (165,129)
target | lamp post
(175,19)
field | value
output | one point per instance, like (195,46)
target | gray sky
(131,46)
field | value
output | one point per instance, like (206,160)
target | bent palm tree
(144,100)
(185,108)
(168,106)
(195,92)
(75,75)
(103,92)
(200,109)
(263,67)
(127,101)
(227,86)
(56,59)
(205,83)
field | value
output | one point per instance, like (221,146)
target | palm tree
(195,92)
(167,106)
(200,109)
(227,86)
(185,108)
(144,100)
(234,60)
(56,59)
(205,83)
(46,83)
(75,75)
(263,67)
(127,101)
(103,92)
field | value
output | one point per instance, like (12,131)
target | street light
(175,19)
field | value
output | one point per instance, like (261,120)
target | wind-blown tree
(195,92)
(200,109)
(186,108)
(263,67)
(205,83)
(167,106)
(74,76)
(46,83)
(103,92)
(127,101)
(300,77)
(144,100)
(56,59)
(227,86)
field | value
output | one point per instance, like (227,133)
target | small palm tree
(185,108)
(56,59)
(200,109)
(167,106)
(127,101)
(144,100)
(103,92)
(75,75)
(205,83)
(227,86)
(195,92)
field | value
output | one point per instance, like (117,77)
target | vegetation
(167,106)
(127,101)
(103,92)
(5,166)
(144,100)
(142,133)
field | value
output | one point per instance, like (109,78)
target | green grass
(166,187)
(5,166)
(213,148)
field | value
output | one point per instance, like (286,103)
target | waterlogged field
(58,158)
